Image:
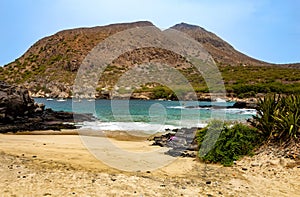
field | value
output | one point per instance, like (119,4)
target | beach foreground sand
(58,164)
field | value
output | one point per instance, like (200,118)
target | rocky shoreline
(181,142)
(147,96)
(18,112)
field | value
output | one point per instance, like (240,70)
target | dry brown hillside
(49,67)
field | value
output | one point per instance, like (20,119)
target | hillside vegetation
(50,66)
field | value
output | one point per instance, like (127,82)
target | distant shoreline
(227,99)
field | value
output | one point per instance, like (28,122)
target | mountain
(49,67)
(221,51)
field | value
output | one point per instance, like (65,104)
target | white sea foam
(219,100)
(227,110)
(149,128)
(127,126)
(241,111)
(176,107)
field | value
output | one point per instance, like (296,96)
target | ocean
(149,116)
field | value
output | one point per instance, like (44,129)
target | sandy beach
(52,163)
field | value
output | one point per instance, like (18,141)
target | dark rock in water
(239,105)
(242,104)
(207,106)
(18,112)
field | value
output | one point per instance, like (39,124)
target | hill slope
(49,67)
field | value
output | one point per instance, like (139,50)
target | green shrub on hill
(229,142)
(245,81)
(162,92)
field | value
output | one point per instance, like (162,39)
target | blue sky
(268,30)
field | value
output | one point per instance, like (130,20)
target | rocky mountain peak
(184,25)
(220,50)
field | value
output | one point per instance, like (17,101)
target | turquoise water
(150,115)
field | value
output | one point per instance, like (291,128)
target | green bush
(229,143)
(162,92)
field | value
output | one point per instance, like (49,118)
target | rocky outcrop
(182,142)
(18,112)
(244,105)
(14,102)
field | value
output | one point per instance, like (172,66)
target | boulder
(18,112)
(14,102)
(181,142)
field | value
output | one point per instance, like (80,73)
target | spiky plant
(287,117)
(264,119)
(278,117)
